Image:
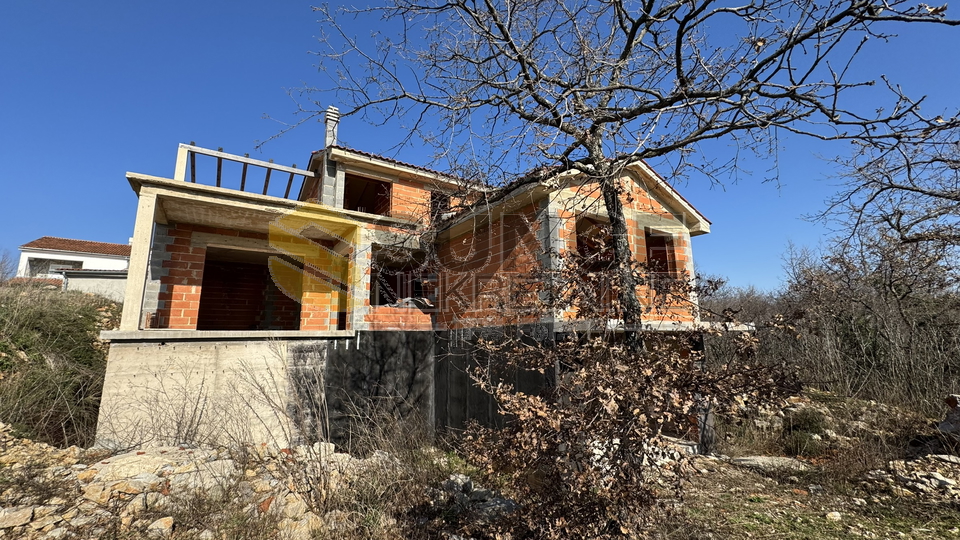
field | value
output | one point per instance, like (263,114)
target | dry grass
(52,362)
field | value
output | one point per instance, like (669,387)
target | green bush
(801,431)
(806,421)
(52,362)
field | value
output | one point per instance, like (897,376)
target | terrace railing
(186,171)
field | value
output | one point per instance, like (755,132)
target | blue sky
(90,90)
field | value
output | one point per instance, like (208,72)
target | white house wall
(89,261)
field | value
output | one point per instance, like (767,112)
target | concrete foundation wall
(282,392)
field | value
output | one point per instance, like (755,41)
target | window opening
(366,195)
(594,244)
(238,293)
(439,204)
(660,257)
(395,277)
(38,267)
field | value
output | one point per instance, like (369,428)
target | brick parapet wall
(397,318)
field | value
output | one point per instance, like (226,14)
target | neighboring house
(81,265)
(254,287)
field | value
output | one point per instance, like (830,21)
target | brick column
(319,304)
(181,286)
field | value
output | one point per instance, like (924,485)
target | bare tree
(912,191)
(875,317)
(8,266)
(593,86)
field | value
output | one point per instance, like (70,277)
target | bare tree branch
(596,85)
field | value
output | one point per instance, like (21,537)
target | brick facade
(490,269)
(486,279)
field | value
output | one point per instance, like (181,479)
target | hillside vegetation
(52,362)
(873,335)
(868,317)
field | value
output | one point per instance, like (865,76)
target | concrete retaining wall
(109,286)
(283,392)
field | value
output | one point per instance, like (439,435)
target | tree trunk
(630,306)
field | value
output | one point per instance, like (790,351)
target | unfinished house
(268,303)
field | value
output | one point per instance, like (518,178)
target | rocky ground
(870,471)
(72,493)
(857,476)
(182,492)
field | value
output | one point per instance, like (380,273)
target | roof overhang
(72,253)
(92,273)
(391,170)
(695,222)
(186,202)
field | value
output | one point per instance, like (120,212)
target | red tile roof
(79,246)
(390,160)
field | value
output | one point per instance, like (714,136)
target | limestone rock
(294,506)
(58,533)
(87,475)
(16,516)
(161,528)
(770,463)
(946,458)
(951,424)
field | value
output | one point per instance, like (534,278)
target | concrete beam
(163,334)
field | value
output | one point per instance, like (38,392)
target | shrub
(52,362)
(805,420)
(799,443)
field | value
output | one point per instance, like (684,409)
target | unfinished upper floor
(356,241)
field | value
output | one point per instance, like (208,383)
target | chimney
(331,120)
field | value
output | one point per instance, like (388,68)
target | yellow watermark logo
(319,249)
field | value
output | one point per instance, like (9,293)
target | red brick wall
(398,318)
(485,280)
(410,201)
(240,296)
(324,303)
(180,287)
(486,276)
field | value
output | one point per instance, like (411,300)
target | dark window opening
(366,195)
(595,248)
(660,252)
(594,244)
(395,277)
(439,204)
(49,266)
(238,293)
